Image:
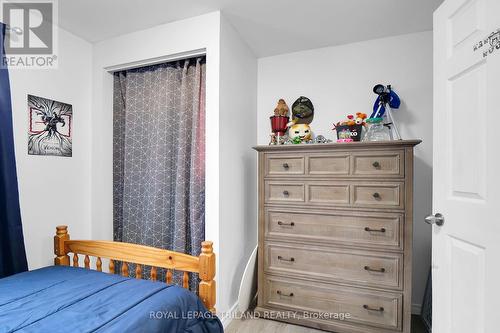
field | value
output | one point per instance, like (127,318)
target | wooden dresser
(335,235)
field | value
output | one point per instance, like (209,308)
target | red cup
(278,124)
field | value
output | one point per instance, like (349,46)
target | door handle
(437,219)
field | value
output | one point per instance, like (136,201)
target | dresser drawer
(389,195)
(336,193)
(373,308)
(328,164)
(284,165)
(328,193)
(378,164)
(291,192)
(351,266)
(319,193)
(378,230)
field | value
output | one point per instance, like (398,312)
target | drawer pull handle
(374,230)
(376,164)
(379,270)
(376,195)
(291,224)
(369,308)
(281,294)
(285,165)
(286,193)
(292,259)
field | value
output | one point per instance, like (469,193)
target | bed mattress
(71,299)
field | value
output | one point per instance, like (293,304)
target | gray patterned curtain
(159,157)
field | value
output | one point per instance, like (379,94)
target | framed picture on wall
(50,127)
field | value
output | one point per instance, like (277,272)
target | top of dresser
(339,146)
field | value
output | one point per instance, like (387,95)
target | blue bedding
(69,299)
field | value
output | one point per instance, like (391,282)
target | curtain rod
(155,61)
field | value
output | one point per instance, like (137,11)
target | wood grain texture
(285,165)
(168,277)
(207,285)
(87,262)
(283,191)
(365,229)
(335,193)
(351,210)
(260,325)
(154,274)
(134,253)
(328,164)
(98,264)
(408,241)
(125,269)
(140,255)
(356,267)
(388,163)
(111,266)
(335,147)
(62,257)
(381,194)
(383,311)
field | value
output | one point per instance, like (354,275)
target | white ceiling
(269,27)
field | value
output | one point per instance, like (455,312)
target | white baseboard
(228,317)
(416,309)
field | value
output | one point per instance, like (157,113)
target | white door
(466,189)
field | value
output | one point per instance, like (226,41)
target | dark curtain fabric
(159,157)
(12,252)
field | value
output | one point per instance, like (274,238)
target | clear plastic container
(377,131)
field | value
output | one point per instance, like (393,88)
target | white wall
(226,229)
(238,163)
(54,190)
(339,81)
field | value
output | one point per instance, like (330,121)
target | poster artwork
(50,125)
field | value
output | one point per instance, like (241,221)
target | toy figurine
(360,118)
(281,109)
(350,121)
(274,140)
(302,111)
(299,133)
(279,121)
(351,129)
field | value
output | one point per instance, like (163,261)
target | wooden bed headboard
(140,255)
